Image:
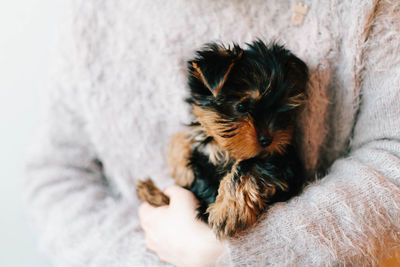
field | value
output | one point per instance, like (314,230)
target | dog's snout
(265,140)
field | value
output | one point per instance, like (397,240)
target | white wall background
(27,40)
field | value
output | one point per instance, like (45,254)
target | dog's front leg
(178,155)
(239,202)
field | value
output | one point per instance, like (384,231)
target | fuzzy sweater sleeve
(77,218)
(351,216)
(78,221)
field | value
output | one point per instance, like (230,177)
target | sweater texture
(118,96)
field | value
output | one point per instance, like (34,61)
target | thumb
(179,195)
(173,190)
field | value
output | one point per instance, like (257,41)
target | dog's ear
(212,66)
(291,70)
(296,74)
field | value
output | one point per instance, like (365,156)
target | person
(119,95)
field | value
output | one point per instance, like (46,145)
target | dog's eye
(242,107)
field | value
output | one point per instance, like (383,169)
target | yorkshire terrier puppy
(239,155)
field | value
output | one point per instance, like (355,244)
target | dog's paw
(229,217)
(178,159)
(236,208)
(147,191)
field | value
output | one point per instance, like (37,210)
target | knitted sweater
(118,97)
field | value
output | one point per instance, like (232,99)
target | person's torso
(136,54)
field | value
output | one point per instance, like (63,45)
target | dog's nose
(265,140)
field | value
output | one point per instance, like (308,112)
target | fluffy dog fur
(239,156)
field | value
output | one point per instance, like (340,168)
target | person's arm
(351,216)
(78,220)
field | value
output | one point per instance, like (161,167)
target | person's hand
(174,233)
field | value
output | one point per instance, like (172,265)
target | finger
(145,213)
(173,190)
(177,192)
(180,196)
(150,243)
(162,258)
(149,215)
(144,210)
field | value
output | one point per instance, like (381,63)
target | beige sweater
(118,97)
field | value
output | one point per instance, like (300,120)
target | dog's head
(247,99)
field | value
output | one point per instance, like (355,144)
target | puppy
(239,155)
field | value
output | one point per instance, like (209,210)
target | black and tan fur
(239,155)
